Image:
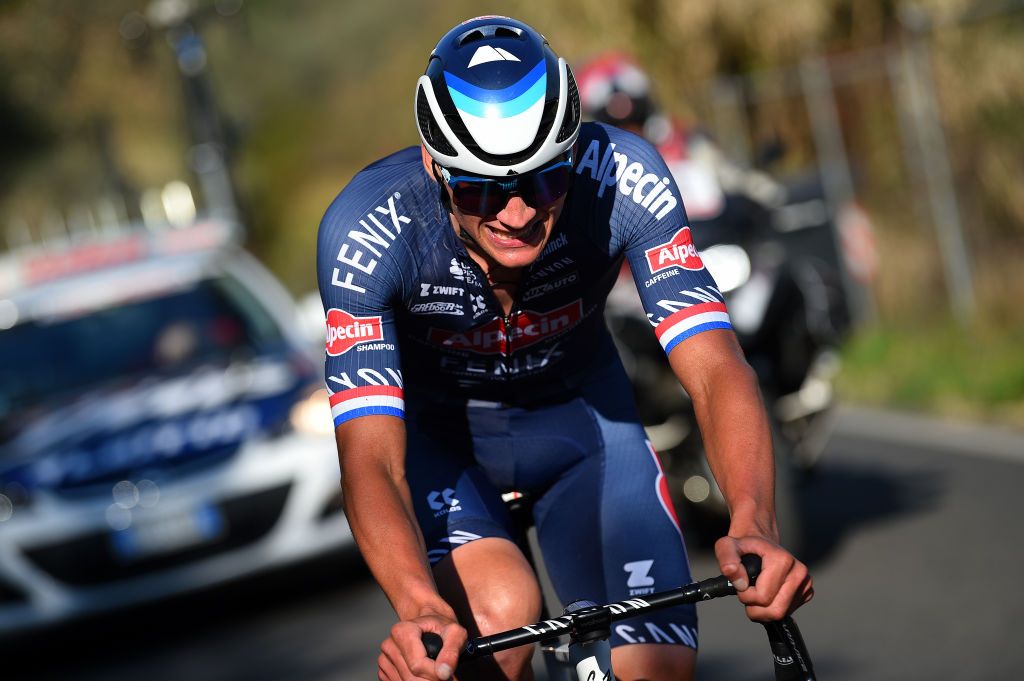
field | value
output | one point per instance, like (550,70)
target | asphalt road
(915,545)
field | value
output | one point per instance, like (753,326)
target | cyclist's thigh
(607,527)
(454,501)
(478,569)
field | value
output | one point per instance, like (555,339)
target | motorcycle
(772,251)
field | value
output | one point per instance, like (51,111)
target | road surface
(914,540)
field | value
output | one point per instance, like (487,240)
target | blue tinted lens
(488,195)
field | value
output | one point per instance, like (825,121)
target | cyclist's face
(516,234)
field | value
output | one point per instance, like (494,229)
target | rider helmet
(495,100)
(615,90)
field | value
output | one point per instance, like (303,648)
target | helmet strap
(446,201)
(442,194)
(466,236)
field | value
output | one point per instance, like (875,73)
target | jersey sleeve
(359,283)
(678,293)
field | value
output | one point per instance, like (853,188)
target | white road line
(952,437)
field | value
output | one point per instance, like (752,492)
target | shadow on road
(838,498)
(841,497)
(744,668)
(66,651)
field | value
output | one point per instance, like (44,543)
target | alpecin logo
(679,252)
(494,337)
(614,169)
(345,331)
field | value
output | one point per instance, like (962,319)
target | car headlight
(312,414)
(13,496)
(728,264)
(6,508)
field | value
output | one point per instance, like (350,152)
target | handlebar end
(752,564)
(433,643)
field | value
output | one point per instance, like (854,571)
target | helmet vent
(572,110)
(471,37)
(477,34)
(507,32)
(428,127)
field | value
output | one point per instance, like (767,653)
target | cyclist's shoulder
(378,221)
(602,148)
(380,187)
(620,169)
(404,160)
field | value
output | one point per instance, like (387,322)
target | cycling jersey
(408,310)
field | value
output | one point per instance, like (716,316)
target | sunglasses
(489,195)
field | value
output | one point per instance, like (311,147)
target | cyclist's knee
(504,606)
(490,584)
(654,662)
(492,589)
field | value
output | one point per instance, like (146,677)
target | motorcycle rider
(614,89)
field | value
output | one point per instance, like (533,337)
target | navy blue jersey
(410,312)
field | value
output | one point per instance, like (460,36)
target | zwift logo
(614,168)
(427,289)
(640,581)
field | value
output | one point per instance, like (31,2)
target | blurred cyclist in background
(615,90)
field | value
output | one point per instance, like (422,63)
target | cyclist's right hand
(403,657)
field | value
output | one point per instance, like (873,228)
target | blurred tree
(313,90)
(25,133)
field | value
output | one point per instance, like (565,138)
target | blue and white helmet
(495,100)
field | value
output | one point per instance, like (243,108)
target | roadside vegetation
(940,368)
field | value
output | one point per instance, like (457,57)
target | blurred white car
(163,425)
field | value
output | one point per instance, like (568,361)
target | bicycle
(588,626)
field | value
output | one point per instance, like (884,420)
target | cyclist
(615,90)
(464,282)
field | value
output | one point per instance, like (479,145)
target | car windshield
(211,320)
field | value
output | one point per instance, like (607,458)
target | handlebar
(790,657)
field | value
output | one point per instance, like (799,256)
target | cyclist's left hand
(783,585)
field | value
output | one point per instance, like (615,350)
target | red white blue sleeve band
(355,402)
(689,322)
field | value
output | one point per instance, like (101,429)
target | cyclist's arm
(360,290)
(379,508)
(737,441)
(733,423)
(688,312)
(378,504)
